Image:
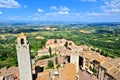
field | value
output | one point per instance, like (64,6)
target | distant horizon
(34,21)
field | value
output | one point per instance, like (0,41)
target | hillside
(104,39)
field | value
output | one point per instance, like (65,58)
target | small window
(22,41)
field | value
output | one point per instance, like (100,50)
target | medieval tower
(74,58)
(23,55)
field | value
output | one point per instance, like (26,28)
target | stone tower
(74,58)
(23,55)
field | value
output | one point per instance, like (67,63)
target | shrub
(50,64)
(43,57)
(56,60)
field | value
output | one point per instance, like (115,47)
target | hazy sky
(60,10)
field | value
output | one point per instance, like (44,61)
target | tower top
(22,35)
(21,39)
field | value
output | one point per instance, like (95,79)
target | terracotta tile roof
(86,54)
(112,67)
(61,60)
(3,71)
(83,47)
(59,41)
(115,61)
(63,50)
(68,72)
(43,75)
(73,47)
(111,62)
(45,61)
(91,55)
(10,71)
(106,65)
(51,41)
(115,73)
(42,62)
(43,51)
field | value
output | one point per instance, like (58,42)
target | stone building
(57,42)
(23,55)
(110,70)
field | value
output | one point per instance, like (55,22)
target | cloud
(53,8)
(40,10)
(112,6)
(56,11)
(60,8)
(9,4)
(1,12)
(110,9)
(63,12)
(88,0)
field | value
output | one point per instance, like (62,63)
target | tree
(56,60)
(50,51)
(66,44)
(58,65)
(50,64)
(55,41)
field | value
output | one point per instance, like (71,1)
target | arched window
(22,41)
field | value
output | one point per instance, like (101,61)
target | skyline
(62,10)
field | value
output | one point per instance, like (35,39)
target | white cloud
(9,4)
(56,11)
(1,12)
(88,0)
(40,10)
(53,8)
(112,6)
(63,12)
(63,8)
(25,6)
(60,8)
(110,9)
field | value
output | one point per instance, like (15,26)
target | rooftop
(68,72)
(43,75)
(10,71)
(115,73)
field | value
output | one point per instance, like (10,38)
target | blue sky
(60,10)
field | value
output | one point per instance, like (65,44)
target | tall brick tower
(23,55)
